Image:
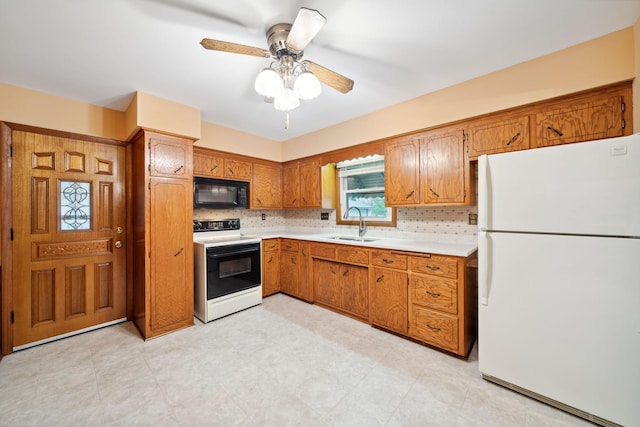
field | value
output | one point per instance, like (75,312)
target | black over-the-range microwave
(220,193)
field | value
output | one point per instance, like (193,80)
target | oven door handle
(237,252)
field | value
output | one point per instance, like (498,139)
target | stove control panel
(216,224)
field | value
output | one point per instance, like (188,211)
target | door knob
(118,244)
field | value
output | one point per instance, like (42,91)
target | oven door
(232,268)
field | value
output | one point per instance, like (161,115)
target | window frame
(375,223)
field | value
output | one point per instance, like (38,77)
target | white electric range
(227,269)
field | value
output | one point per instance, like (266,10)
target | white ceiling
(101,52)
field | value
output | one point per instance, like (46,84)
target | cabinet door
(291,186)
(389,299)
(585,120)
(354,289)
(310,191)
(207,165)
(266,187)
(326,282)
(442,167)
(402,172)
(170,158)
(305,285)
(499,137)
(171,255)
(289,272)
(237,169)
(270,272)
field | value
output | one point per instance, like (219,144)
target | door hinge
(10,150)
(13,317)
(623,107)
(623,124)
(149,185)
(11,233)
(149,167)
(408,324)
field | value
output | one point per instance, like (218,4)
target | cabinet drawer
(434,328)
(289,245)
(323,250)
(270,245)
(353,254)
(438,265)
(435,292)
(389,259)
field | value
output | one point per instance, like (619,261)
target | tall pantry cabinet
(162,215)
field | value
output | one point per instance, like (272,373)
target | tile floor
(284,363)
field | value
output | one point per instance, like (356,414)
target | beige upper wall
(234,141)
(608,59)
(636,82)
(33,108)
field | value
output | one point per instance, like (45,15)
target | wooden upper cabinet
(291,186)
(402,172)
(237,169)
(266,187)
(585,119)
(207,165)
(443,167)
(310,184)
(169,158)
(491,137)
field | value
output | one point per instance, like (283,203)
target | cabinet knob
(118,244)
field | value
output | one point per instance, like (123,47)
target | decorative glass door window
(75,205)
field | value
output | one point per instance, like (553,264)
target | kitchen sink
(353,238)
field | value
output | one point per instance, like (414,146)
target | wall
(33,108)
(598,62)
(234,141)
(636,82)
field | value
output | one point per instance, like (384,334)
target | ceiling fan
(288,79)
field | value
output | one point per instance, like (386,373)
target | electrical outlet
(264,217)
(473,219)
(324,216)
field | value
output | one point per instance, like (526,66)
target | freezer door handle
(484,273)
(483,192)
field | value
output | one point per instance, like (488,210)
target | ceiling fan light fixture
(269,83)
(286,100)
(307,86)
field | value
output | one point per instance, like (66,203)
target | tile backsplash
(437,220)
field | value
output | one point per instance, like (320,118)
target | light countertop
(442,244)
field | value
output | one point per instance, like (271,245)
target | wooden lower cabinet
(295,277)
(270,267)
(442,302)
(344,287)
(389,299)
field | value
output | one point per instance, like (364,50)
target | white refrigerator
(559,276)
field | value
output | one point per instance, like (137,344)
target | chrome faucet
(362,227)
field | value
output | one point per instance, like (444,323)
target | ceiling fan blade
(307,24)
(330,78)
(234,48)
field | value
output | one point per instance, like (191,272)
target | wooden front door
(69,265)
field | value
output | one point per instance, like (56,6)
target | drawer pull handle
(387,261)
(379,279)
(294,200)
(410,194)
(513,138)
(270,259)
(213,168)
(434,193)
(179,252)
(231,171)
(433,267)
(178,170)
(554,130)
(332,270)
(259,201)
(346,273)
(433,328)
(433,294)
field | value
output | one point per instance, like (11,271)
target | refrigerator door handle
(483,192)
(484,273)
